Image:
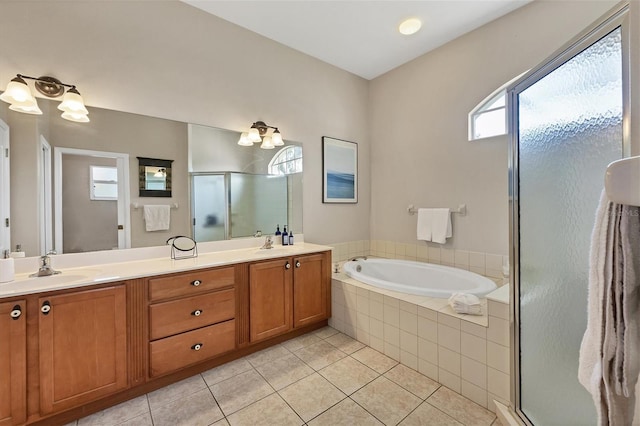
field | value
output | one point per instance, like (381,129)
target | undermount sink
(61,278)
(274,250)
(64,277)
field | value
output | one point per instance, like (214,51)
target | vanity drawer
(191,283)
(172,353)
(176,316)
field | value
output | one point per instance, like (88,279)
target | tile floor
(321,378)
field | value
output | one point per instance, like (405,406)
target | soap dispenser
(290,238)
(285,237)
(278,234)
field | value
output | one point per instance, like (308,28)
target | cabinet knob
(297,263)
(16,312)
(46,307)
(197,312)
(287,266)
(196,283)
(197,346)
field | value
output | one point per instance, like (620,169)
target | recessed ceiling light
(410,26)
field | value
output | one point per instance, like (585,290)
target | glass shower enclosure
(567,123)
(231,204)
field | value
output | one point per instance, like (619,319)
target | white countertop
(99,273)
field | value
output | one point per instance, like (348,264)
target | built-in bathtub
(468,354)
(422,279)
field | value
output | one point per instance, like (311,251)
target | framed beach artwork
(339,170)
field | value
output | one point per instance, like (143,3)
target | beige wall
(167,59)
(420,152)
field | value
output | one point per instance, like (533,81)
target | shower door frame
(614,18)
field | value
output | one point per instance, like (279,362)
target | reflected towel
(157,217)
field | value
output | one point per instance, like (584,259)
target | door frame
(124,213)
(618,16)
(45,206)
(5,187)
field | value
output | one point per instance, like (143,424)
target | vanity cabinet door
(13,363)
(270,295)
(83,346)
(310,289)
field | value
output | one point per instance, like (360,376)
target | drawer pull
(196,283)
(287,266)
(16,312)
(46,307)
(197,312)
(197,346)
(297,264)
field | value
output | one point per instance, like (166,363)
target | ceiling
(359,36)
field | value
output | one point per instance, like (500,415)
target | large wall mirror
(75,186)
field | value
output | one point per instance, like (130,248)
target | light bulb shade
(276,138)
(267,143)
(17,91)
(244,140)
(27,107)
(77,117)
(254,135)
(73,103)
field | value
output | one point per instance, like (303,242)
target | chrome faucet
(268,243)
(45,266)
(357,258)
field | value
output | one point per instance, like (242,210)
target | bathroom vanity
(72,349)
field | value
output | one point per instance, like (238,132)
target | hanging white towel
(157,217)
(441,226)
(609,364)
(425,219)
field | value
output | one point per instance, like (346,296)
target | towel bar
(137,206)
(461,210)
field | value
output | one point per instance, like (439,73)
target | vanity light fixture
(22,100)
(258,133)
(410,26)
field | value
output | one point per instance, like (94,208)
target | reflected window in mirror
(154,177)
(287,161)
(103,183)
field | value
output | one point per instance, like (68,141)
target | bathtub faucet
(357,258)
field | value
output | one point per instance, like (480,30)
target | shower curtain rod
(622,181)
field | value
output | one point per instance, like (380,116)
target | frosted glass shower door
(209,207)
(568,128)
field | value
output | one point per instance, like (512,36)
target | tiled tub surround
(468,354)
(486,264)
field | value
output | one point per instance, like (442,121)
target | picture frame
(339,171)
(154,177)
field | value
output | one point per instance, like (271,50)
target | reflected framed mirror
(154,177)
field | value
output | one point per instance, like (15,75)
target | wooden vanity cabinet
(288,293)
(82,346)
(270,294)
(13,363)
(311,280)
(68,353)
(191,318)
